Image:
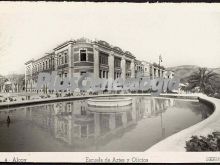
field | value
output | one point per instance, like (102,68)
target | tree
(17,80)
(204,79)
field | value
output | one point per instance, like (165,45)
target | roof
(30,61)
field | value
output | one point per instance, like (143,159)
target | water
(73,126)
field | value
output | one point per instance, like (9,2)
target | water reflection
(74,124)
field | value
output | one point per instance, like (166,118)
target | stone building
(146,69)
(76,57)
(12,83)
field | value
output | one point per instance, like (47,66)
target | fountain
(109,101)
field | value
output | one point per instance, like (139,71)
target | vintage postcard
(109,82)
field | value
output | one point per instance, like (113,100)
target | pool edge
(176,142)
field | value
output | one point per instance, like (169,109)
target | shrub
(217,95)
(201,144)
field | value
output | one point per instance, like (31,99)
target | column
(70,60)
(55,61)
(148,68)
(106,74)
(156,73)
(96,61)
(132,69)
(123,71)
(25,79)
(161,73)
(152,71)
(31,79)
(111,65)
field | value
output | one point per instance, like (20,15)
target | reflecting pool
(75,126)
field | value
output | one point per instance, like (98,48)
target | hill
(184,71)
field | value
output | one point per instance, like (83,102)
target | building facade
(76,57)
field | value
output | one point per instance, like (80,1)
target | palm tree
(204,79)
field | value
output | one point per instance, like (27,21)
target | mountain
(184,71)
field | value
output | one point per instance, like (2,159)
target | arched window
(62,60)
(59,60)
(49,63)
(43,65)
(46,64)
(65,58)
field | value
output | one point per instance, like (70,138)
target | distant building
(168,74)
(76,57)
(12,83)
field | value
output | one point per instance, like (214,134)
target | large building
(76,57)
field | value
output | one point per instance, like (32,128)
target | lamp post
(161,115)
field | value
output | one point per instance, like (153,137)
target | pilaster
(96,61)
(123,71)
(111,65)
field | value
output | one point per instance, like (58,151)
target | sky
(183,34)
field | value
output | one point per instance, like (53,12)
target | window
(49,63)
(117,62)
(81,73)
(66,58)
(82,55)
(100,74)
(65,75)
(62,59)
(46,64)
(59,60)
(103,58)
(103,74)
